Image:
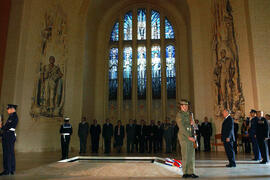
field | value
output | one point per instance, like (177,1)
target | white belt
(12,129)
(65,134)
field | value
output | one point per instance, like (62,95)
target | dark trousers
(174,143)
(206,141)
(246,142)
(159,144)
(83,140)
(235,145)
(136,144)
(255,148)
(230,152)
(95,144)
(142,143)
(65,146)
(152,144)
(168,141)
(130,144)
(264,149)
(107,144)
(8,154)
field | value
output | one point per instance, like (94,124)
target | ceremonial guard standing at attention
(262,136)
(66,132)
(83,133)
(8,140)
(186,123)
(227,137)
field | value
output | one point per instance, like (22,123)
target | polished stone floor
(208,166)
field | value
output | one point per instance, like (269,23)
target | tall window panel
(170,72)
(115,32)
(141,35)
(113,73)
(127,73)
(155,25)
(128,26)
(141,69)
(169,32)
(156,72)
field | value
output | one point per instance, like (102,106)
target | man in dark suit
(95,131)
(119,134)
(262,136)
(83,133)
(227,137)
(159,136)
(130,131)
(107,133)
(252,134)
(152,132)
(206,131)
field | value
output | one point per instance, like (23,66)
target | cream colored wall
(259,13)
(89,25)
(23,53)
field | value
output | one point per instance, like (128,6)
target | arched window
(142,52)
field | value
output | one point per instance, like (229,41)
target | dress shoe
(186,176)
(230,165)
(263,162)
(12,173)
(4,173)
(194,176)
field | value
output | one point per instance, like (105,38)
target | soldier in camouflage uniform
(184,122)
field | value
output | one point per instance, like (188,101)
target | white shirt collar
(227,116)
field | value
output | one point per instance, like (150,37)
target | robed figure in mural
(49,93)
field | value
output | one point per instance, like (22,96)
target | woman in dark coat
(119,135)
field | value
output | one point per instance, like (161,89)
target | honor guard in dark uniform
(227,137)
(95,131)
(107,133)
(262,136)
(83,133)
(206,132)
(8,140)
(66,132)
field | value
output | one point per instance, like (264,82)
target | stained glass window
(113,66)
(170,72)
(155,25)
(169,33)
(115,32)
(141,24)
(156,72)
(141,69)
(128,26)
(127,73)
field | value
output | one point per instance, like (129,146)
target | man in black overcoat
(83,133)
(130,131)
(262,137)
(95,131)
(227,137)
(107,133)
(206,132)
